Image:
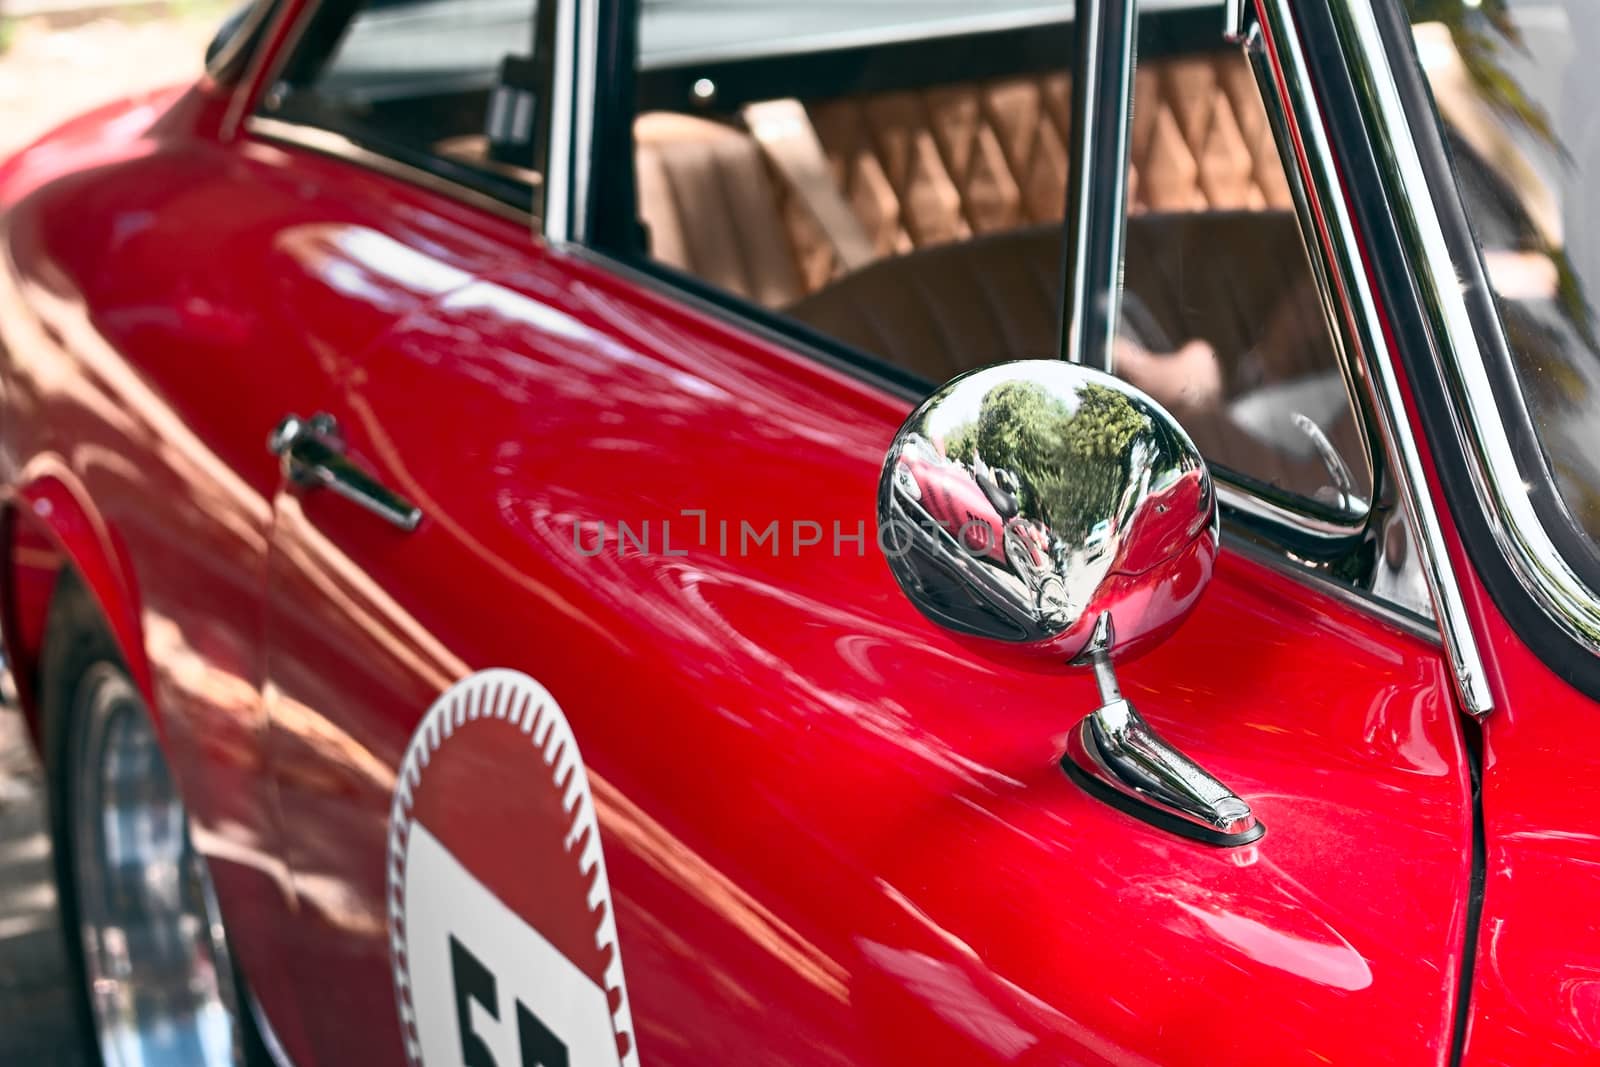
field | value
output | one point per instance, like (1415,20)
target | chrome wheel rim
(155,958)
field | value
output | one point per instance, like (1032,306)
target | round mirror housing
(1024,501)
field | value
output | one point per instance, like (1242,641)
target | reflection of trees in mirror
(1480,32)
(1071,463)
(962,443)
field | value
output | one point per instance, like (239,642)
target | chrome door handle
(313,455)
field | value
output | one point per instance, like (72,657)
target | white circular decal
(500,917)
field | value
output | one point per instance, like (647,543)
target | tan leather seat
(952,307)
(922,168)
(709,204)
(925,168)
(1236,279)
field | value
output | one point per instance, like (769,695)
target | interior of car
(893,178)
(906,198)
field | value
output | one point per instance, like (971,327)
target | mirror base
(1145,811)
(1118,757)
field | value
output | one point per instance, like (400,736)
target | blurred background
(36,1014)
(57,58)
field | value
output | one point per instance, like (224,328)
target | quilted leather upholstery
(923,168)
(1201,140)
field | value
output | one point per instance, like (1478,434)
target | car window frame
(317,27)
(1337,558)
(1460,363)
(1340,141)
(232,60)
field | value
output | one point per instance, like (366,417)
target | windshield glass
(1516,86)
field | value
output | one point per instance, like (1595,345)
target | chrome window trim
(265,65)
(228,64)
(1262,509)
(583,122)
(1249,37)
(558,223)
(572,136)
(1519,533)
(1381,378)
(1089,332)
(572,121)
(265,85)
(1274,559)
(327,143)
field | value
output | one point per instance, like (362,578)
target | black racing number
(475,982)
(540,1048)
(472,981)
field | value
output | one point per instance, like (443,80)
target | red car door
(768,813)
(833,837)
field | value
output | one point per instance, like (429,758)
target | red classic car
(446,573)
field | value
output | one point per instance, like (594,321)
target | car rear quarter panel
(1536,995)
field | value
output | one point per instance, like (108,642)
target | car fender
(51,521)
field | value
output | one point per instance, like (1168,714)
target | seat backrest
(1229,278)
(947,309)
(709,204)
(928,167)
(924,167)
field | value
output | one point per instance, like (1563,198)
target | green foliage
(962,443)
(1019,427)
(1480,35)
(1071,465)
(1104,425)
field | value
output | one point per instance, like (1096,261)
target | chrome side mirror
(1057,516)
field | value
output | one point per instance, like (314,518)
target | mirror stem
(1118,757)
(1098,653)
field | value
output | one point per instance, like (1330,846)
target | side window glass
(1514,92)
(457,87)
(1222,320)
(907,197)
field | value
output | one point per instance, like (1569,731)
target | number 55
(474,982)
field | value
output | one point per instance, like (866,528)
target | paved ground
(48,74)
(36,1024)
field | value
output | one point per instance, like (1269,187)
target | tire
(144,935)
